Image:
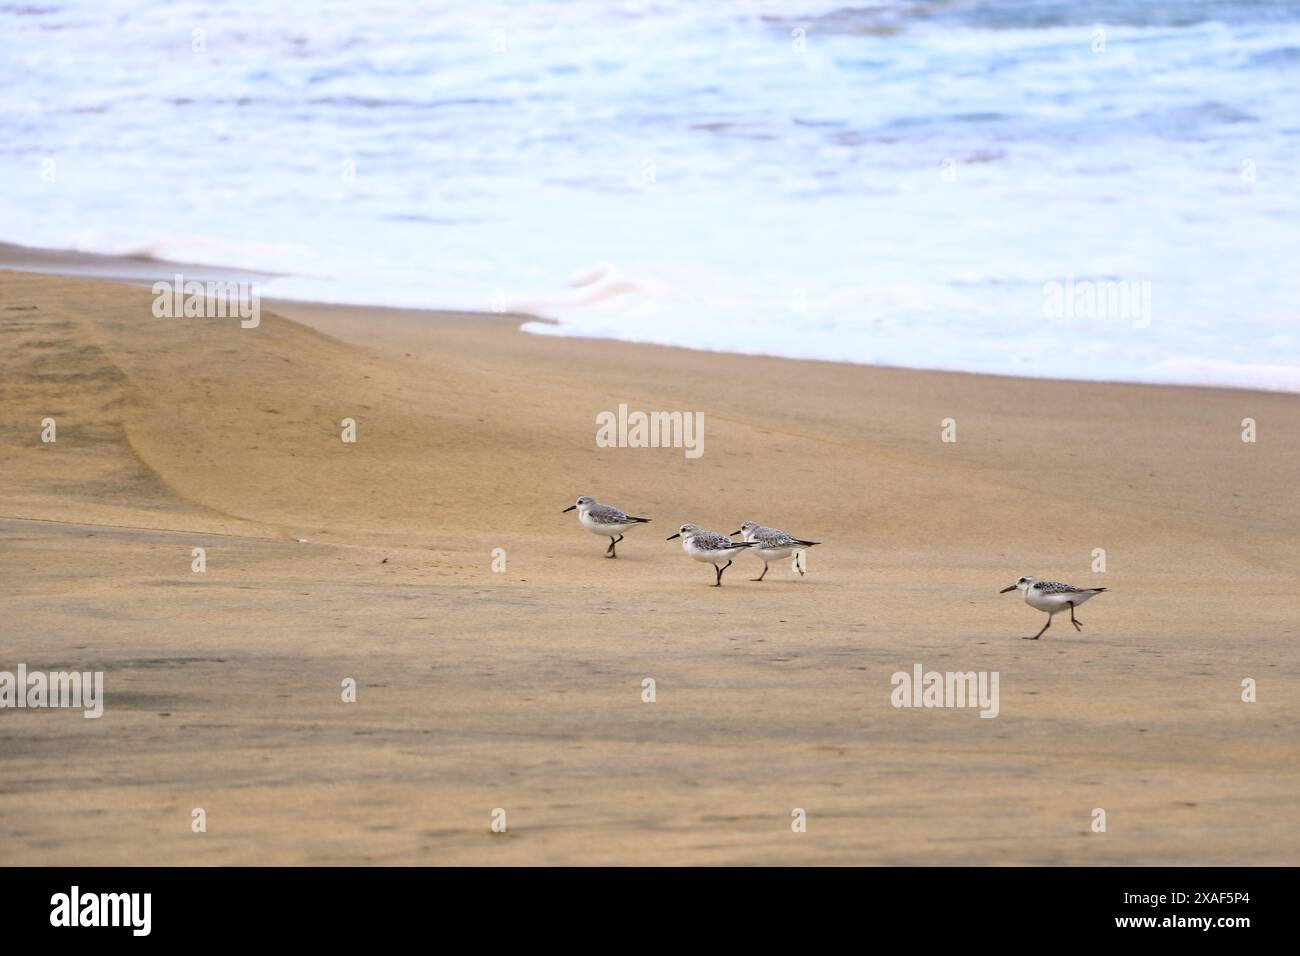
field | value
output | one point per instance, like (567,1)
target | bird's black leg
(763,575)
(720,570)
(1043,631)
(1078,625)
(610,552)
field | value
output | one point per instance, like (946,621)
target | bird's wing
(604,514)
(713,541)
(1057,587)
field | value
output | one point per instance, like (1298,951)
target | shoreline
(521,688)
(144,271)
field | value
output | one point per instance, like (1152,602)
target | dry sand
(522,690)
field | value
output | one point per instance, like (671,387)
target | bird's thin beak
(671,536)
(568,509)
(1005,590)
(737,531)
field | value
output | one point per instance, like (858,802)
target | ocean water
(933,185)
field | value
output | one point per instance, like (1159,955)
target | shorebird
(1052,597)
(771,544)
(709,546)
(604,519)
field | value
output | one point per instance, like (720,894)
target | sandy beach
(521,689)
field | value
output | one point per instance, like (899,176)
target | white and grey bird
(1052,597)
(771,544)
(604,519)
(710,547)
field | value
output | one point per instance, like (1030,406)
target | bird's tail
(1098,590)
(808,544)
(641,520)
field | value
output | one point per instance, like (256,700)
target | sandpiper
(604,519)
(710,547)
(772,544)
(1052,597)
